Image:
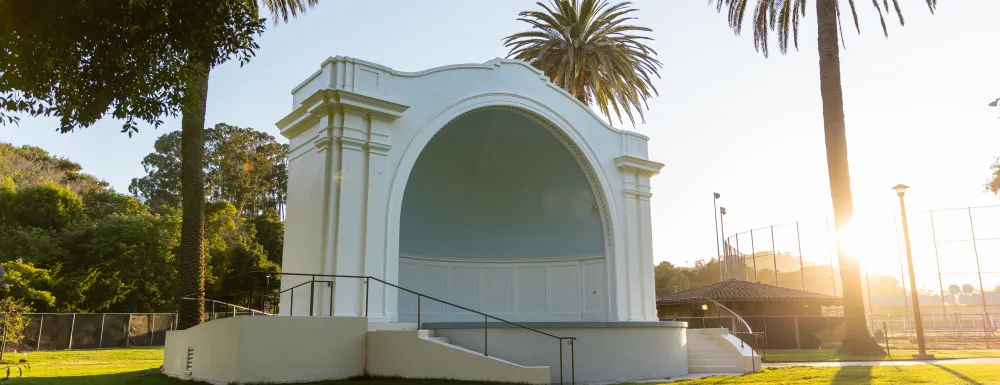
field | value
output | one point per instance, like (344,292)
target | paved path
(816,364)
(886,363)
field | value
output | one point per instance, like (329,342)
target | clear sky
(727,119)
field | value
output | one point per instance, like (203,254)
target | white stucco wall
(562,289)
(269,349)
(356,132)
(602,353)
(410,354)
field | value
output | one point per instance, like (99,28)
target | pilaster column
(639,284)
(350,119)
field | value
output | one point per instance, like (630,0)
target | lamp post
(922,355)
(722,227)
(718,252)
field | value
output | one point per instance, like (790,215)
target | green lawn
(140,366)
(107,366)
(966,374)
(794,355)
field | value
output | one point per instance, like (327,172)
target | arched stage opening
(498,216)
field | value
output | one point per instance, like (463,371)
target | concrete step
(693,355)
(378,326)
(713,362)
(715,350)
(444,340)
(715,369)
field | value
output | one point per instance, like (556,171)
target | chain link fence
(796,255)
(960,331)
(62,331)
(956,271)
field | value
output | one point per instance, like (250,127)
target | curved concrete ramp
(419,354)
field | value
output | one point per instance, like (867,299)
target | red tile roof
(734,290)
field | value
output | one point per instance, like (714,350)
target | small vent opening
(189,366)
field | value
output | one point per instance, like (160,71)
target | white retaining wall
(269,349)
(604,351)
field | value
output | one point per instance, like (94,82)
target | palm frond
(286,9)
(591,49)
(783,16)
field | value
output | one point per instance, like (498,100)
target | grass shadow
(143,377)
(957,374)
(853,375)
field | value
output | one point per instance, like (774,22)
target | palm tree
(783,16)
(191,256)
(590,49)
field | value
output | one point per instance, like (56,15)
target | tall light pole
(922,355)
(718,252)
(722,227)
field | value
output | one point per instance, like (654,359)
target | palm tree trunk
(857,339)
(191,258)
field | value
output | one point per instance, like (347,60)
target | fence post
(561,380)
(944,309)
(332,286)
(152,325)
(798,343)
(774,257)
(802,271)
(902,276)
(72,326)
(312,292)
(572,361)
(41,322)
(885,333)
(954,332)
(128,327)
(982,292)
(368,288)
(888,331)
(753,256)
(741,268)
(100,340)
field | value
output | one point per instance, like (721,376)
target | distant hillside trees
(69,243)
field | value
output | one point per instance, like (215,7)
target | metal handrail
(486,317)
(749,331)
(227,304)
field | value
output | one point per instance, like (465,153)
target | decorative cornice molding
(634,194)
(323,101)
(379,148)
(353,143)
(644,166)
(492,64)
(323,143)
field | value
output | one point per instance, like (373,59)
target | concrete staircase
(423,354)
(716,351)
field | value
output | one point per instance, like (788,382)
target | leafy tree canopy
(29,165)
(81,60)
(46,205)
(243,166)
(105,251)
